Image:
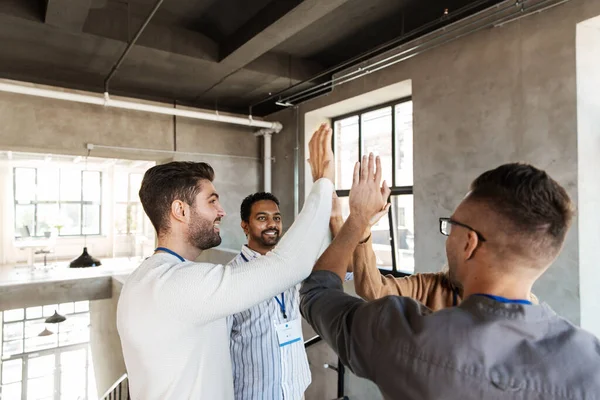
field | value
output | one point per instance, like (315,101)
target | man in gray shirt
(496,344)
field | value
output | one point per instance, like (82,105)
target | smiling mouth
(271,233)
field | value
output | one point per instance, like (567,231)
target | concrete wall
(52,126)
(500,95)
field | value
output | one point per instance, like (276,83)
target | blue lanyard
(504,299)
(280,302)
(170,252)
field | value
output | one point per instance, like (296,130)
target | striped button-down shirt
(261,369)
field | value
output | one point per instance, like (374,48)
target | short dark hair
(165,183)
(246,208)
(531,201)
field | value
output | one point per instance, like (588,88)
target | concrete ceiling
(224,54)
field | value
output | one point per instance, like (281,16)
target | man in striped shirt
(265,367)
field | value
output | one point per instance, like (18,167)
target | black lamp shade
(85,260)
(55,318)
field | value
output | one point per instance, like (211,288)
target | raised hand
(368,201)
(321,155)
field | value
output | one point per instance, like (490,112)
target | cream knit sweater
(171,314)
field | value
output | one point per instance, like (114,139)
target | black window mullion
(360,142)
(393,235)
(81,204)
(35,208)
(393,183)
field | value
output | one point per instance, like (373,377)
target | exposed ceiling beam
(274,24)
(67,14)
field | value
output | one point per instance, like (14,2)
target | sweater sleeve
(370,284)
(206,292)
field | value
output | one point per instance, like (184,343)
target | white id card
(289,332)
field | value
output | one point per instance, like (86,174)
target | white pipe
(267,157)
(267,166)
(130,105)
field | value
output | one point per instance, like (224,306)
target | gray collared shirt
(482,349)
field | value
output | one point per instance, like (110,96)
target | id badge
(289,332)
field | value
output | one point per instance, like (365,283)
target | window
(129,214)
(386,131)
(57,366)
(66,199)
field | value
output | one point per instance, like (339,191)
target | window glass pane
(135,182)
(404,215)
(136,219)
(24,220)
(346,150)
(73,337)
(75,322)
(404,144)
(47,184)
(40,388)
(82,306)
(121,186)
(49,309)
(72,385)
(121,211)
(46,218)
(11,348)
(70,185)
(34,327)
(34,312)
(380,235)
(12,391)
(14,315)
(25,184)
(12,371)
(38,343)
(91,219)
(66,308)
(13,331)
(72,219)
(376,129)
(41,366)
(91,186)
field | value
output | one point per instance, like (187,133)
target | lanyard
(280,302)
(504,299)
(170,252)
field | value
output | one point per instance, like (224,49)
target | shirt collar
(249,253)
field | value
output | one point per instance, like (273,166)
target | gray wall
(501,95)
(61,127)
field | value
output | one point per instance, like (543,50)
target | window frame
(59,202)
(395,190)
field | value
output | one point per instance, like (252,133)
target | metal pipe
(267,162)
(297,165)
(530,13)
(129,105)
(367,70)
(433,36)
(130,45)
(92,146)
(371,52)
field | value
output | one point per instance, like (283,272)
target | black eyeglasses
(446,223)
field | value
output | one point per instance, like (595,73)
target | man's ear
(471,245)
(180,210)
(244,226)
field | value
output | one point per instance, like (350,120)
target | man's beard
(202,233)
(269,241)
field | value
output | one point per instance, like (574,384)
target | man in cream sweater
(171,313)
